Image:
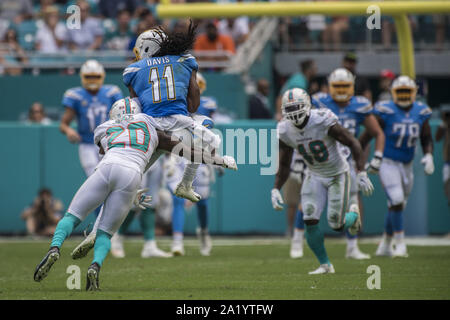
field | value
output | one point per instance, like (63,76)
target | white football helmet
(123,107)
(341,83)
(92,75)
(404,91)
(148,43)
(296,105)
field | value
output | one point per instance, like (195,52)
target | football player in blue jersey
(164,81)
(404,120)
(89,105)
(352,111)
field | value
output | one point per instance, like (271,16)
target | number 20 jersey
(402,128)
(319,150)
(161,83)
(129,141)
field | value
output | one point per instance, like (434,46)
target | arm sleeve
(100,133)
(71,99)
(129,74)
(190,62)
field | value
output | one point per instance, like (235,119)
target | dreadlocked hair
(178,43)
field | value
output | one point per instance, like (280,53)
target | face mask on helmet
(295,106)
(148,43)
(341,84)
(123,107)
(404,91)
(92,75)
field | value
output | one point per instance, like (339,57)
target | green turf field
(241,271)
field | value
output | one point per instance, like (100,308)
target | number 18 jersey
(319,150)
(129,141)
(161,83)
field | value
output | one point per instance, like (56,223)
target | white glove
(277,199)
(375,163)
(428,163)
(364,184)
(141,200)
(229,163)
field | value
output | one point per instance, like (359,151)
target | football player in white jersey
(128,141)
(352,112)
(316,135)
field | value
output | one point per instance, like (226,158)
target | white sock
(387,239)
(177,236)
(298,234)
(399,237)
(352,243)
(189,174)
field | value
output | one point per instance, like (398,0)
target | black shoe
(44,266)
(92,283)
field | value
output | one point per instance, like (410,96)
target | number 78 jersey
(161,83)
(319,150)
(129,141)
(402,128)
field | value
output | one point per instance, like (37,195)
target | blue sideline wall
(37,156)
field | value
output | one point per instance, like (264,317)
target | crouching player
(403,120)
(316,135)
(128,140)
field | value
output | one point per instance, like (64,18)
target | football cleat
(229,163)
(150,250)
(186,192)
(92,278)
(177,248)
(84,247)
(384,249)
(323,268)
(400,251)
(45,265)
(205,242)
(355,253)
(117,250)
(354,229)
(296,249)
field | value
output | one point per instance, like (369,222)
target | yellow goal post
(397,9)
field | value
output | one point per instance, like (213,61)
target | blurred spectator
(301,79)
(147,16)
(11,54)
(43,215)
(258,104)
(90,35)
(16,10)
(36,115)
(362,87)
(237,28)
(120,38)
(112,8)
(52,34)
(308,71)
(443,131)
(141,27)
(332,35)
(386,78)
(212,40)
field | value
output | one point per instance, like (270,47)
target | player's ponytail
(178,43)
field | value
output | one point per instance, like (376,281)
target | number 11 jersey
(161,83)
(319,150)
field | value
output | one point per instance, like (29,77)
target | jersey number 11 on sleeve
(156,83)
